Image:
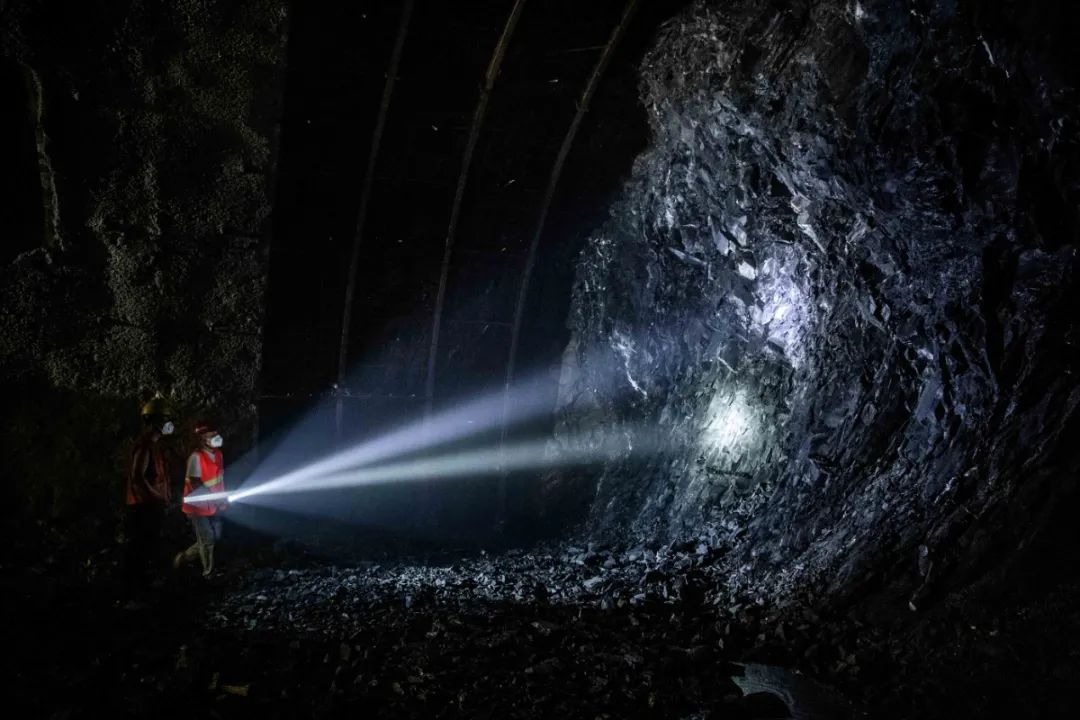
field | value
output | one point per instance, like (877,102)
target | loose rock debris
(578,631)
(581,631)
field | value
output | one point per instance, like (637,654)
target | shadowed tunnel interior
(612,359)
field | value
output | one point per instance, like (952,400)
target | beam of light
(528,400)
(207,497)
(406,451)
(530,455)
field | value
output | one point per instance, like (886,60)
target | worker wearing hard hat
(147,492)
(205,475)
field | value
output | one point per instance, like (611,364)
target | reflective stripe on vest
(212,471)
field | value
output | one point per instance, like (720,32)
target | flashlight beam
(207,497)
(533,455)
(470,419)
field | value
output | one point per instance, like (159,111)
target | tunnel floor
(555,631)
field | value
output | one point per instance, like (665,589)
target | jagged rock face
(156,130)
(842,280)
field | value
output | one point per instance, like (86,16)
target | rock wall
(842,280)
(155,135)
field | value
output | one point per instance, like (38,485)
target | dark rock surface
(155,139)
(844,277)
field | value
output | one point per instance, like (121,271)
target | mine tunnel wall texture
(156,130)
(844,275)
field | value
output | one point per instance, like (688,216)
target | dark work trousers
(207,533)
(142,534)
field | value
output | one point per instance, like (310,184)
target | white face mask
(167,428)
(216,441)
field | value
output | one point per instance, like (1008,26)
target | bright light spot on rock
(731,422)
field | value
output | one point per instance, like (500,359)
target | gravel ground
(555,631)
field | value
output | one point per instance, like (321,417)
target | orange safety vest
(136,493)
(212,472)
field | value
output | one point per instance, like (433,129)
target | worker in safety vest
(147,492)
(205,475)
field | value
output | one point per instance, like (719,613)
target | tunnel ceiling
(338,62)
(337,69)
(844,277)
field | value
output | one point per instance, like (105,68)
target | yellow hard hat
(156,406)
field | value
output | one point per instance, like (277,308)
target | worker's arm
(193,474)
(140,465)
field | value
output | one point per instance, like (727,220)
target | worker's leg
(214,524)
(201,527)
(135,546)
(155,522)
(205,534)
(191,553)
